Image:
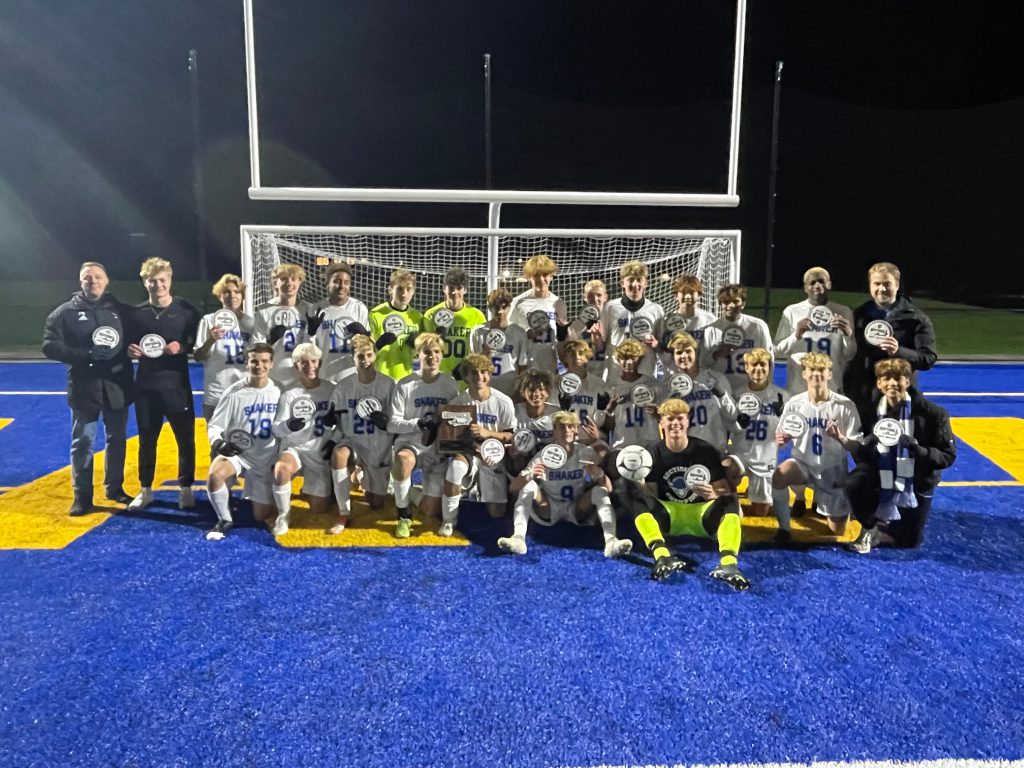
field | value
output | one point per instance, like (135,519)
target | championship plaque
(675,322)
(793,424)
(733,336)
(453,433)
(153,345)
(641,328)
(876,331)
(553,456)
(303,407)
(569,384)
(681,384)
(697,475)
(495,340)
(589,314)
(888,431)
(394,324)
(286,316)
(820,317)
(492,451)
(367,405)
(642,395)
(524,441)
(444,319)
(106,336)
(749,404)
(225,320)
(538,320)
(241,438)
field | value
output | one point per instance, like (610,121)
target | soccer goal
(492,257)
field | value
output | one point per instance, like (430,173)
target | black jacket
(67,338)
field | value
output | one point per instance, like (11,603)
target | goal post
(492,257)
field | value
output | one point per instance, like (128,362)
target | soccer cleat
(665,566)
(731,575)
(515,545)
(186,497)
(782,537)
(80,507)
(118,496)
(280,526)
(220,530)
(617,547)
(338,527)
(404,528)
(799,509)
(863,543)
(143,500)
(446,529)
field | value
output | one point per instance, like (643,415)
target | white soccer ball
(634,463)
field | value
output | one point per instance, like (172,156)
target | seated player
(281,322)
(303,437)
(753,446)
(723,351)
(891,488)
(247,406)
(415,408)
(539,270)
(819,458)
(362,440)
(712,408)
(329,322)
(464,319)
(394,325)
(685,493)
(221,349)
(591,399)
(510,356)
(533,413)
(629,423)
(495,417)
(632,316)
(575,492)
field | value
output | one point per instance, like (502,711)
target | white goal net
(492,257)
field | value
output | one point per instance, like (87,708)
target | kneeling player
(242,440)
(574,491)
(685,494)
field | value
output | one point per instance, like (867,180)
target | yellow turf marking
(999,439)
(981,483)
(5,422)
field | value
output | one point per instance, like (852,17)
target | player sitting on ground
(302,425)
(281,322)
(632,316)
(394,326)
(575,491)
(684,494)
(633,418)
(732,334)
(242,441)
(415,408)
(221,342)
(818,417)
(539,270)
(507,350)
(495,418)
(453,319)
(328,324)
(363,403)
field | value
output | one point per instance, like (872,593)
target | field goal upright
(492,257)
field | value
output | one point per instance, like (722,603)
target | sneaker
(280,526)
(731,575)
(446,529)
(118,496)
(220,530)
(186,497)
(80,507)
(617,547)
(404,528)
(666,566)
(863,543)
(338,527)
(513,544)
(143,500)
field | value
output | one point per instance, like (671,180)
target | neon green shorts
(686,518)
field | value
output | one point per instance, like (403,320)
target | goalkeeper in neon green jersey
(453,319)
(394,326)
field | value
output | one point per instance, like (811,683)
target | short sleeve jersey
(755,334)
(814,448)
(669,468)
(456,340)
(334,341)
(225,364)
(251,409)
(396,359)
(618,321)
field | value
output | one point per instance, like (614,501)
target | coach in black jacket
(87,334)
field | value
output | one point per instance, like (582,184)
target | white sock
(219,502)
(780,507)
(450,507)
(402,488)
(342,490)
(456,472)
(521,510)
(605,513)
(283,498)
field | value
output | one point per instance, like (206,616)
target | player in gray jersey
(242,441)
(712,408)
(631,422)
(329,320)
(281,322)
(590,400)
(633,316)
(507,350)
(533,414)
(221,341)
(539,270)
(732,335)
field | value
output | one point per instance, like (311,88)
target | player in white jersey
(495,418)
(415,412)
(575,492)
(590,399)
(362,400)
(633,316)
(819,458)
(330,319)
(634,403)
(587,325)
(281,322)
(303,426)
(242,440)
(815,325)
(507,350)
(533,414)
(539,270)
(221,340)
(732,335)
(709,397)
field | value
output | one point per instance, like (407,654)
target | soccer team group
(630,414)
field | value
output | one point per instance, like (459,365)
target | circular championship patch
(286,316)
(225,320)
(675,322)
(303,407)
(554,456)
(153,345)
(105,336)
(495,339)
(492,450)
(793,424)
(634,462)
(888,431)
(820,317)
(681,384)
(241,438)
(394,324)
(696,475)
(641,328)
(641,395)
(733,336)
(524,441)
(589,313)
(570,384)
(877,330)
(749,403)
(367,405)
(538,320)
(444,318)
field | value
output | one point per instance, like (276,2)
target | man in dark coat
(86,333)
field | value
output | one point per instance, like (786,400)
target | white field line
(49,392)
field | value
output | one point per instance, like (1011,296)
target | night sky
(901,125)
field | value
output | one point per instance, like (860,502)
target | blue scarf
(896,469)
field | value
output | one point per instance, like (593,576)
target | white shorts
(830,497)
(491,482)
(759,479)
(375,458)
(431,463)
(563,512)
(259,479)
(315,472)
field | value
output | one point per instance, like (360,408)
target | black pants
(152,406)
(863,489)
